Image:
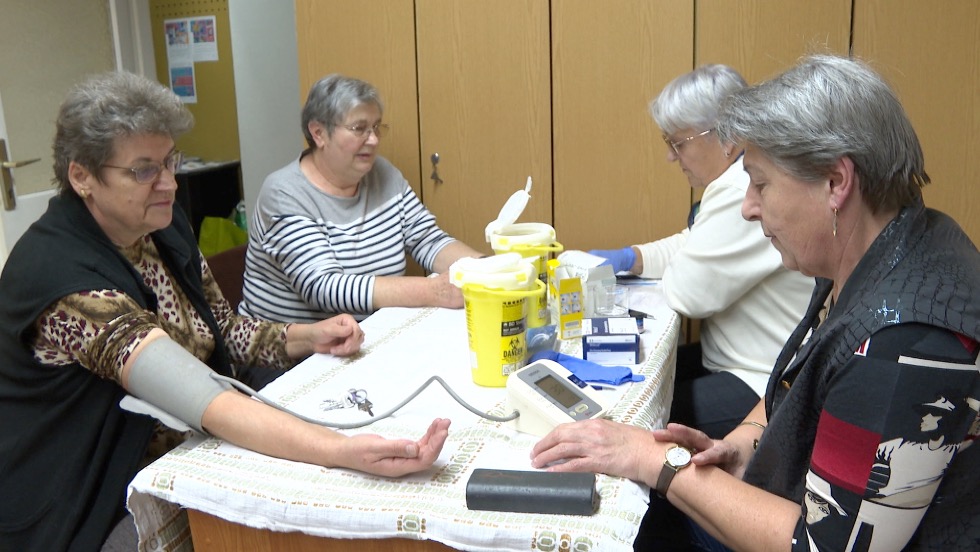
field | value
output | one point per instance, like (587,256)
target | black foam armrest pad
(532,492)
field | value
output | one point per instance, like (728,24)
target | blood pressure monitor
(546,394)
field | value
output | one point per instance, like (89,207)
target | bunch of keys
(353,397)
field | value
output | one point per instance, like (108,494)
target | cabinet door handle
(435,168)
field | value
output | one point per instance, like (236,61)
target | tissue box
(613,349)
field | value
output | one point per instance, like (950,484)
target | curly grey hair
(693,100)
(108,106)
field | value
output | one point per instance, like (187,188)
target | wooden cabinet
(484,107)
(559,90)
(613,184)
(761,38)
(930,54)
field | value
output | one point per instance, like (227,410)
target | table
(234,497)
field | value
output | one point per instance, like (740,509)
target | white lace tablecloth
(402,349)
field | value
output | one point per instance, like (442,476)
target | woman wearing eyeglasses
(331,230)
(721,269)
(107,294)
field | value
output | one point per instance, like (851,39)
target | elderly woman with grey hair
(332,228)
(108,294)
(866,437)
(722,269)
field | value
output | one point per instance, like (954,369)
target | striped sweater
(312,255)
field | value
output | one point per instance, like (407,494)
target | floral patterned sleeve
(97,329)
(100,328)
(250,341)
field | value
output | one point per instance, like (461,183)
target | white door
(45,47)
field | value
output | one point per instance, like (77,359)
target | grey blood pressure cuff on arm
(170,378)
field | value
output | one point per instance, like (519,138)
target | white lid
(511,210)
(505,271)
(507,237)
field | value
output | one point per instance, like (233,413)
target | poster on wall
(189,40)
(183,83)
(204,38)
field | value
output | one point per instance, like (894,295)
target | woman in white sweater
(722,269)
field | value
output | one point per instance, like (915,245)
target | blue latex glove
(620,259)
(589,371)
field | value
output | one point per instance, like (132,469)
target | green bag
(220,234)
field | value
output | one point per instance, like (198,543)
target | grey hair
(331,98)
(108,106)
(826,108)
(693,100)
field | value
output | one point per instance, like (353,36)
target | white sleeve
(724,256)
(657,255)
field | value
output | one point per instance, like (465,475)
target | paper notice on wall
(189,40)
(204,38)
(183,83)
(178,37)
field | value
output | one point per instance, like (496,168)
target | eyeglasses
(362,129)
(676,146)
(147,173)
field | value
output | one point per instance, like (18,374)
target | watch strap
(666,476)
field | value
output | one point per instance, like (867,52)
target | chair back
(228,268)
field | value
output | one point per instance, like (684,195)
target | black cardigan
(67,451)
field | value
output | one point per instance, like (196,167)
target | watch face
(678,456)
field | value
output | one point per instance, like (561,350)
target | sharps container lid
(505,271)
(511,210)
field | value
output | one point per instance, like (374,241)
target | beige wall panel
(761,38)
(613,184)
(930,53)
(484,83)
(372,41)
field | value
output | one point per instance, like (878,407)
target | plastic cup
(613,300)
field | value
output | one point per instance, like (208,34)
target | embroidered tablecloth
(402,349)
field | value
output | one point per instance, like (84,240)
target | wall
(215,133)
(267,85)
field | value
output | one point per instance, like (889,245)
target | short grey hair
(826,108)
(108,106)
(693,100)
(330,100)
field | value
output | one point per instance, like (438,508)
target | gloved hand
(589,371)
(620,259)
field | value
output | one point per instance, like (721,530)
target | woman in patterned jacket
(865,439)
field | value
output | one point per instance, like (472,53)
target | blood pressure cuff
(170,378)
(590,371)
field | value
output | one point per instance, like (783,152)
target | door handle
(435,169)
(9,196)
(17,164)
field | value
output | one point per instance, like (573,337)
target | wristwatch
(677,458)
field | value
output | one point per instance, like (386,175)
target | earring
(835,222)
(83,193)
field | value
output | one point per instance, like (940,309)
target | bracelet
(755,442)
(756,424)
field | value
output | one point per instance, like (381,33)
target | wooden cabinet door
(613,184)
(373,42)
(761,39)
(930,54)
(484,107)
